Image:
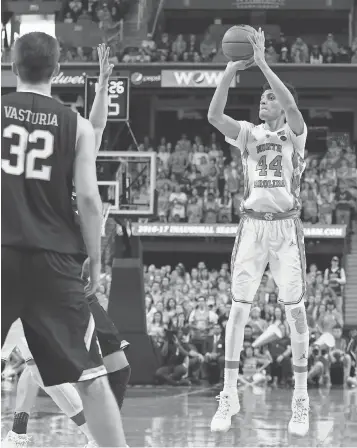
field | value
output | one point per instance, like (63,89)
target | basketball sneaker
(299,423)
(91,444)
(13,440)
(228,406)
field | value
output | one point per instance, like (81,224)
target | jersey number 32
(24,159)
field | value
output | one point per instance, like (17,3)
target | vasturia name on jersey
(273,162)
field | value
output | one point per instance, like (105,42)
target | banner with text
(224,230)
(258,4)
(193,78)
(197,76)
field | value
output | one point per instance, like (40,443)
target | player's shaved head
(290,87)
(35,57)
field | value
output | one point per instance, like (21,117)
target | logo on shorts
(268,216)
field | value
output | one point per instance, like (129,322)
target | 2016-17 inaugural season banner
(223,230)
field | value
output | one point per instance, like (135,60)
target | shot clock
(118,97)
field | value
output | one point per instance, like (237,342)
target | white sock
(84,428)
(230,379)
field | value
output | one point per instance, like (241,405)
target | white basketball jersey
(273,163)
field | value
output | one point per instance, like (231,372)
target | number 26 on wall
(25,162)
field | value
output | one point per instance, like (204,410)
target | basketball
(235,43)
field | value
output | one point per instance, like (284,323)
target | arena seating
(202,182)
(173,294)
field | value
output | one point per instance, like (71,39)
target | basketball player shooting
(270,229)
(46,148)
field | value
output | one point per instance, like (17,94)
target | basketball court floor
(180,417)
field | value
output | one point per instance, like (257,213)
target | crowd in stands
(203,182)
(187,312)
(106,17)
(194,48)
(198,49)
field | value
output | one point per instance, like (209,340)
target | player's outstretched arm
(88,200)
(99,113)
(225,124)
(282,93)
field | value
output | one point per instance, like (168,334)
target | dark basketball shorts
(46,291)
(108,335)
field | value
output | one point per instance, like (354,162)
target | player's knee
(93,387)
(296,317)
(239,313)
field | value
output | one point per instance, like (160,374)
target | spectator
(148,44)
(201,322)
(280,369)
(330,45)
(271,55)
(193,46)
(210,209)
(163,44)
(225,208)
(316,56)
(179,359)
(177,204)
(214,355)
(179,45)
(255,321)
(335,278)
(281,44)
(208,48)
(329,318)
(343,55)
(253,368)
(326,205)
(318,365)
(156,328)
(284,56)
(344,205)
(178,161)
(194,210)
(340,360)
(329,57)
(309,203)
(299,52)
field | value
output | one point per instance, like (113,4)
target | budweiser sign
(62,79)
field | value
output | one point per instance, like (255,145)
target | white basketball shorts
(279,242)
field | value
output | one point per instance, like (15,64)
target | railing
(157,15)
(141,12)
(121,31)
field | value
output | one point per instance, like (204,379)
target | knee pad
(296,317)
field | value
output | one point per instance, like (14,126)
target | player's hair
(290,87)
(36,56)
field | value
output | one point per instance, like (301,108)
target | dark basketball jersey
(38,152)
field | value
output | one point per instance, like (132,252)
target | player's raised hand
(105,67)
(235,66)
(258,43)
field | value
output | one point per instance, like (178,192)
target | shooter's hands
(258,42)
(235,66)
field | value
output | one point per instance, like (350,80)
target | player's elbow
(89,200)
(212,118)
